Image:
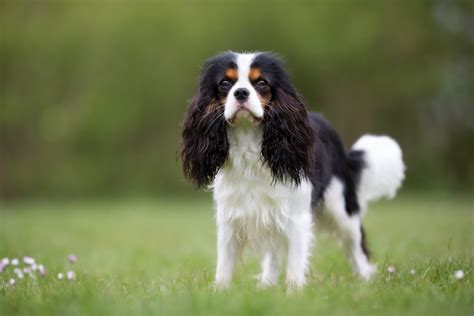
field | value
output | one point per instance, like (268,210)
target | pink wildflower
(72,258)
(28,260)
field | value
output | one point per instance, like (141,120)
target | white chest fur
(246,197)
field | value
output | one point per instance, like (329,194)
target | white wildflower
(412,271)
(459,274)
(41,270)
(15,261)
(5,262)
(71,275)
(12,282)
(60,276)
(391,269)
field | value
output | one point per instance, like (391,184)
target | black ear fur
(288,138)
(204,145)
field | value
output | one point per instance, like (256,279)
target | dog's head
(253,87)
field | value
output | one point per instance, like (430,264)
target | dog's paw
(264,283)
(295,285)
(367,272)
(221,285)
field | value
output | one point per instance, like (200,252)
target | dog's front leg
(271,267)
(228,249)
(300,238)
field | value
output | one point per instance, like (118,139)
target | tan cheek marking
(214,105)
(265,100)
(231,73)
(254,74)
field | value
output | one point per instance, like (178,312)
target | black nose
(241,94)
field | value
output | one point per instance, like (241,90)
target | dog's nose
(241,94)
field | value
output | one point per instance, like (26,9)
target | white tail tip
(384,171)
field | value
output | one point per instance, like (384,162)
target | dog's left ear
(288,138)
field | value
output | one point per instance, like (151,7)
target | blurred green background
(93,92)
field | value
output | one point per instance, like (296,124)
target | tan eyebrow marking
(231,73)
(254,74)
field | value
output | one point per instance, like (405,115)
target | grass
(156,256)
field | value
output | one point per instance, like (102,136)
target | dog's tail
(382,169)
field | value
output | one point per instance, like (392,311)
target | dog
(277,171)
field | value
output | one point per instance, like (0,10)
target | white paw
(221,285)
(265,282)
(295,285)
(367,271)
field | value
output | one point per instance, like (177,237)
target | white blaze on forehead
(243,61)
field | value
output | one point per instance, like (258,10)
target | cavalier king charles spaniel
(279,172)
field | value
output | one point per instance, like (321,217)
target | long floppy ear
(204,145)
(288,138)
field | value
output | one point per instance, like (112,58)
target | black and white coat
(276,169)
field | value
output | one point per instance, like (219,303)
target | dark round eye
(225,83)
(261,83)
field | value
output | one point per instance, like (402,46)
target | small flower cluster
(459,274)
(70,275)
(29,266)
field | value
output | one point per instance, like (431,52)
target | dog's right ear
(204,144)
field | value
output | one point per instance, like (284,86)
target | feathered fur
(275,167)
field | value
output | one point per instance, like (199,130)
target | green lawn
(157,256)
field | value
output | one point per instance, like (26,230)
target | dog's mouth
(243,116)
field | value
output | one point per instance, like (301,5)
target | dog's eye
(261,83)
(225,83)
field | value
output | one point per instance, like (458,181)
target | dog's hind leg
(353,238)
(348,229)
